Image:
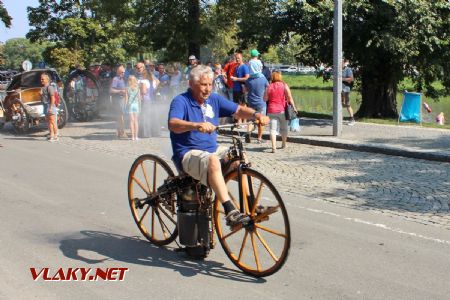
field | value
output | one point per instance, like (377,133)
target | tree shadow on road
(369,181)
(95,136)
(132,250)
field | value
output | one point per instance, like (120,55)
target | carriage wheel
(24,125)
(156,220)
(261,247)
(62,116)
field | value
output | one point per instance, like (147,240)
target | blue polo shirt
(256,88)
(185,107)
(240,72)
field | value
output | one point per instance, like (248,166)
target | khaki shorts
(278,124)
(345,97)
(195,163)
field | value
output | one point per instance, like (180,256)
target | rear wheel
(156,219)
(63,115)
(261,247)
(21,122)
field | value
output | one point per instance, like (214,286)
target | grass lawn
(314,83)
(307,82)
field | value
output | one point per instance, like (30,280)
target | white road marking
(382,226)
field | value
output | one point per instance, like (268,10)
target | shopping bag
(295,124)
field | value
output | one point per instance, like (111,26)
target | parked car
(22,105)
(307,70)
(288,69)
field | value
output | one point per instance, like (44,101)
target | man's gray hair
(199,71)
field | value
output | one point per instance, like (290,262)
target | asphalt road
(66,207)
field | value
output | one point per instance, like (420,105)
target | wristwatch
(254,114)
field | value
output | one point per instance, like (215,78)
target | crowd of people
(142,94)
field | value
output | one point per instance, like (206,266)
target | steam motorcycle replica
(166,206)
(22,105)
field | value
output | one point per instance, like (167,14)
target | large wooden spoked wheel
(261,247)
(156,220)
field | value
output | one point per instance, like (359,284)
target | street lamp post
(337,68)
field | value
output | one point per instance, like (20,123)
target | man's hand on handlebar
(262,120)
(206,127)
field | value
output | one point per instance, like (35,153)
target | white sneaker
(352,122)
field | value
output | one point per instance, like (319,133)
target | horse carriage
(22,105)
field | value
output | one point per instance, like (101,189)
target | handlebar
(232,126)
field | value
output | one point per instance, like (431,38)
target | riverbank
(314,97)
(392,122)
(404,141)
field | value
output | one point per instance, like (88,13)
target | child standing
(132,104)
(220,85)
(255,65)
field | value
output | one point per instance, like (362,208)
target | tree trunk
(194,27)
(378,91)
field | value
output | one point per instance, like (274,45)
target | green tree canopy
(4,15)
(385,40)
(102,30)
(19,49)
(2,55)
(64,59)
(179,27)
(114,29)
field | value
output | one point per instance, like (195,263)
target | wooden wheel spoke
(154,176)
(261,239)
(233,231)
(168,216)
(255,251)
(153,221)
(141,185)
(245,193)
(144,214)
(241,251)
(163,225)
(258,196)
(270,230)
(146,177)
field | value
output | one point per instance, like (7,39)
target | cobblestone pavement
(413,189)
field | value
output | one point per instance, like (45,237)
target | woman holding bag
(278,96)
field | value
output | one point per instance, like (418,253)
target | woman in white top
(175,78)
(149,115)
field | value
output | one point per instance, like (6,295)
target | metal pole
(337,68)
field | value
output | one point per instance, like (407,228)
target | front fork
(246,192)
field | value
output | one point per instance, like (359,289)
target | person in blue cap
(256,85)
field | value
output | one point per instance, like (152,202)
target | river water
(319,101)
